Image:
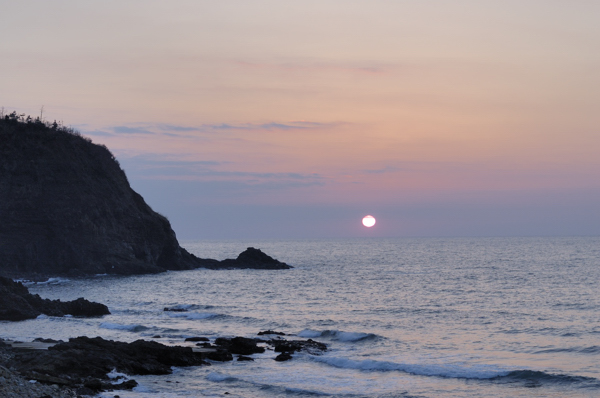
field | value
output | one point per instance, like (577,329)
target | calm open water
(481,317)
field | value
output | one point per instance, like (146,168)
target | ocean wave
(188,307)
(219,377)
(337,335)
(118,326)
(443,370)
(539,377)
(193,315)
(477,372)
(580,350)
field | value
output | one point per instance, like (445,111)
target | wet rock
(284,356)
(244,358)
(175,309)
(310,346)
(197,339)
(84,361)
(17,304)
(219,355)
(271,332)
(240,345)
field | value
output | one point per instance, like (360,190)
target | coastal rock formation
(66,208)
(250,258)
(17,304)
(85,362)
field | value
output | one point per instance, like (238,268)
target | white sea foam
(50,281)
(440,370)
(117,326)
(117,377)
(337,335)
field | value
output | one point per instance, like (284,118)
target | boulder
(240,345)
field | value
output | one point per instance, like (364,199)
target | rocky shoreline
(85,366)
(17,304)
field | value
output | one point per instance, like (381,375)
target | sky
(295,119)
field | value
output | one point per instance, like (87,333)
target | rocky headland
(67,209)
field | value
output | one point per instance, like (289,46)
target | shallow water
(490,317)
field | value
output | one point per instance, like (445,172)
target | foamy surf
(118,326)
(337,335)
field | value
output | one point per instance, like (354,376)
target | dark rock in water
(244,358)
(285,356)
(291,346)
(50,341)
(197,339)
(240,345)
(86,361)
(175,309)
(254,258)
(220,355)
(17,304)
(271,332)
(66,208)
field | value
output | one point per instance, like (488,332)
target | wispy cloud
(131,130)
(172,130)
(292,125)
(162,167)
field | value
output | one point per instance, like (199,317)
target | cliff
(66,208)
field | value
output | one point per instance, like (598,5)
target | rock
(285,356)
(220,355)
(291,346)
(67,209)
(197,339)
(244,358)
(175,309)
(253,258)
(270,332)
(240,345)
(84,362)
(17,304)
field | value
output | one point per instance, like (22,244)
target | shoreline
(37,368)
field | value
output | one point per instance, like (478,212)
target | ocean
(423,317)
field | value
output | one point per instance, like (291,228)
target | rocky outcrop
(85,362)
(17,304)
(66,208)
(250,258)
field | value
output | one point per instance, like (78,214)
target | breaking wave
(338,335)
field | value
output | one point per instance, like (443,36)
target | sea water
(460,317)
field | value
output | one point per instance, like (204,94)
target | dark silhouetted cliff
(66,208)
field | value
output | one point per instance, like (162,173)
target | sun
(368,221)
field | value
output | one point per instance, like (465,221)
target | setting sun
(368,221)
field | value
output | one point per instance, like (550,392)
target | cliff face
(66,208)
